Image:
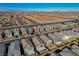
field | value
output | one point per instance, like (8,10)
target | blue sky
(39,6)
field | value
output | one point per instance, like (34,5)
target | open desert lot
(49,17)
(46,19)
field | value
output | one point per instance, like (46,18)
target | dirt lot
(46,19)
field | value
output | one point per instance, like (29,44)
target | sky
(39,6)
